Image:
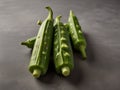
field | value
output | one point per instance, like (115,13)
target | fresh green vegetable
(42,47)
(29,42)
(63,56)
(76,34)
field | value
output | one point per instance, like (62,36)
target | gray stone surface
(100,20)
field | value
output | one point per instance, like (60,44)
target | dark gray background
(100,20)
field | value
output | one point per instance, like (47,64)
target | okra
(41,51)
(78,39)
(63,56)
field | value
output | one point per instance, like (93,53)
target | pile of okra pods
(54,36)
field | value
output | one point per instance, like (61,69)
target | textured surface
(100,20)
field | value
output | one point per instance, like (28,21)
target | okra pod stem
(66,71)
(36,73)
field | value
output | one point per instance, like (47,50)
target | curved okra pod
(42,47)
(63,56)
(76,34)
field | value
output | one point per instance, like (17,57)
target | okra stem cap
(66,71)
(83,52)
(36,73)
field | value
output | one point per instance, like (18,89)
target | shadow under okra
(90,49)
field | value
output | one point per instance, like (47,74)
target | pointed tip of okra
(83,52)
(57,19)
(50,15)
(26,44)
(59,16)
(36,73)
(23,43)
(66,71)
(71,13)
(47,7)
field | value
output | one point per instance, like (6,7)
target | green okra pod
(76,34)
(42,47)
(63,56)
